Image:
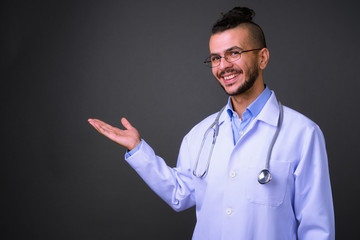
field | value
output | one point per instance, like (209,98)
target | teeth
(231,76)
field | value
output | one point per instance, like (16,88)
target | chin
(233,90)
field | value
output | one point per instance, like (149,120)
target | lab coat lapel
(270,113)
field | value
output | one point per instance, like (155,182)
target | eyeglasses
(229,56)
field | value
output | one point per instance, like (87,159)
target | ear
(263,58)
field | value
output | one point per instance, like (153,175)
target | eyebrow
(228,50)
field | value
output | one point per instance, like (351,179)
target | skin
(129,137)
(238,72)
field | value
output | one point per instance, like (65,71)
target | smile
(231,76)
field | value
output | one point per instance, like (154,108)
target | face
(239,76)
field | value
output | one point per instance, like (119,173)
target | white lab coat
(230,203)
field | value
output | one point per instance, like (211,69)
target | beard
(249,82)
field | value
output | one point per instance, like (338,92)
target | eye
(215,58)
(234,53)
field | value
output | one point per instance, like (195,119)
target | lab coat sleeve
(173,185)
(313,198)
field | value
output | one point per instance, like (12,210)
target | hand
(128,138)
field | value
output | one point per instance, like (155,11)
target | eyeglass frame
(208,59)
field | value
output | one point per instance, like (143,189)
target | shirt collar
(255,107)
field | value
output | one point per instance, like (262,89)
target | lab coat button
(228,211)
(232,174)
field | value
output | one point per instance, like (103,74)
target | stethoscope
(264,175)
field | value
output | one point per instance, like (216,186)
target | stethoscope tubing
(216,133)
(271,146)
(264,175)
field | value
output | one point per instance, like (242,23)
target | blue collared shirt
(239,126)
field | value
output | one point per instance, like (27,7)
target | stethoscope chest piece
(264,176)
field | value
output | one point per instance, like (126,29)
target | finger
(101,126)
(97,121)
(126,124)
(92,122)
(96,126)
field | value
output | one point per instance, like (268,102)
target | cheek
(245,68)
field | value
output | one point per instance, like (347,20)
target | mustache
(227,71)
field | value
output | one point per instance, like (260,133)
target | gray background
(65,61)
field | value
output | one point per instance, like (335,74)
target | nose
(224,64)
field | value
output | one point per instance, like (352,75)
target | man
(222,178)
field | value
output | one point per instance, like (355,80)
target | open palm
(128,138)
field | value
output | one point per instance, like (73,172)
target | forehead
(222,41)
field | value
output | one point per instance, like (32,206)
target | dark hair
(237,16)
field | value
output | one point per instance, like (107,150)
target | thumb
(126,124)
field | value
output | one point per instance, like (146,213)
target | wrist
(134,145)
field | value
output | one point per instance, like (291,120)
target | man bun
(233,18)
(243,13)
(244,16)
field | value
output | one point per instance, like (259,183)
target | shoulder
(205,123)
(296,118)
(200,128)
(299,124)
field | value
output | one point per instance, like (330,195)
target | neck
(241,101)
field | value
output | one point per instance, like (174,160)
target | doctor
(223,182)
